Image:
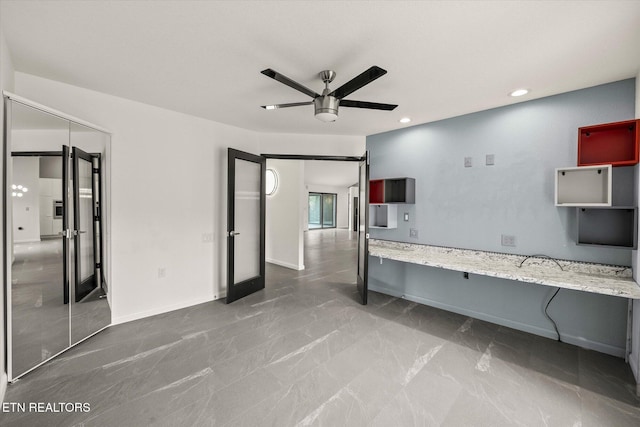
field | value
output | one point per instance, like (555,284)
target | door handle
(233,233)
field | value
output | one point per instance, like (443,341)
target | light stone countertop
(580,276)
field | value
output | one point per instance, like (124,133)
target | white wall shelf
(383,216)
(584,186)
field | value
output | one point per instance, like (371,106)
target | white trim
(53,111)
(142,314)
(547,333)
(3,386)
(285,264)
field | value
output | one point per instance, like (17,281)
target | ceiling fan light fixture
(326,108)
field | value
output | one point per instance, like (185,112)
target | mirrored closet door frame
(84,297)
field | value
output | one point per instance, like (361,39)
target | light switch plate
(468,162)
(406,216)
(490,160)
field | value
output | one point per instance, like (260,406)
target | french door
(85,223)
(245,224)
(363,229)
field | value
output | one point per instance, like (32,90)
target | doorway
(310,209)
(322,210)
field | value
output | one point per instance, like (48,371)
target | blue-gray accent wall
(471,207)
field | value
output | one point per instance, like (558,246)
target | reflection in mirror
(56,235)
(39,313)
(90,310)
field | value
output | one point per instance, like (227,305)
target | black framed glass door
(84,226)
(363,229)
(246,203)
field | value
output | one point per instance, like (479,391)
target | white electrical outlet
(413,233)
(207,237)
(162,273)
(468,162)
(508,240)
(490,160)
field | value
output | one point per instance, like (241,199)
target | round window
(272,182)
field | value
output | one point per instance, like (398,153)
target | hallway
(305,352)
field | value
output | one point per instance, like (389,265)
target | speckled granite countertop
(596,278)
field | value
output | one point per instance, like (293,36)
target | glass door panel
(90,310)
(328,211)
(315,210)
(247,218)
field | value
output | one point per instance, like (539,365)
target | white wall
(50,190)
(284,216)
(168,186)
(6,83)
(325,145)
(26,209)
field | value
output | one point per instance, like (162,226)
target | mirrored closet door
(55,187)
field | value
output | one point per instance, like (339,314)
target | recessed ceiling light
(405,120)
(519,92)
(270,107)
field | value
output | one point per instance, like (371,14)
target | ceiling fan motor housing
(326,108)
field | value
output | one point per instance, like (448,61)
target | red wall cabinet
(376,191)
(611,143)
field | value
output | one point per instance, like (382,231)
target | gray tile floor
(305,352)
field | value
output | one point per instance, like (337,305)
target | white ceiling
(443,58)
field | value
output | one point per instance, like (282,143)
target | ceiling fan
(326,105)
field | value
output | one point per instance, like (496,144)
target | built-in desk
(580,276)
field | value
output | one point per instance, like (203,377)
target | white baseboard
(547,333)
(3,386)
(142,314)
(285,264)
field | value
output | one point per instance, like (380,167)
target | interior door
(83,221)
(363,228)
(245,224)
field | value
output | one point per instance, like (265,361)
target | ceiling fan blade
(359,81)
(287,81)
(364,104)
(292,104)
